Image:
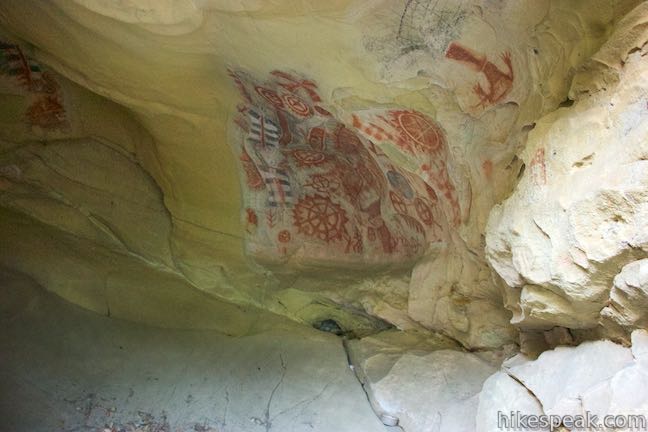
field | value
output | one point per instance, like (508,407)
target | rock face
(95,373)
(599,378)
(421,384)
(629,297)
(577,216)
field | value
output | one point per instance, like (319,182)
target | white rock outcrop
(579,213)
(628,304)
(422,384)
(600,378)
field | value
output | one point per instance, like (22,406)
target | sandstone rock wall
(133,129)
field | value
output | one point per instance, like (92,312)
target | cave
(318,216)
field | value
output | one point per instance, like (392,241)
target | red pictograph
(318,217)
(317,138)
(346,141)
(423,211)
(270,95)
(371,175)
(325,183)
(539,167)
(431,194)
(372,129)
(397,201)
(354,242)
(293,84)
(296,105)
(321,111)
(251,217)
(47,112)
(286,135)
(412,131)
(352,183)
(419,130)
(271,217)
(252,175)
(500,83)
(284,236)
(344,191)
(308,158)
(412,223)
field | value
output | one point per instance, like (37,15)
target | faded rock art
(423,142)
(317,191)
(499,82)
(539,168)
(46,108)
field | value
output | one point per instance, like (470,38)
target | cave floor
(63,368)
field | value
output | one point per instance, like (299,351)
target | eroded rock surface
(594,379)
(419,383)
(578,214)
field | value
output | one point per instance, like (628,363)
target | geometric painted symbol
(263,131)
(323,183)
(278,184)
(398,203)
(15,63)
(309,157)
(270,95)
(423,211)
(425,134)
(319,217)
(297,105)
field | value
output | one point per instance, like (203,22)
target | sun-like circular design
(270,95)
(318,217)
(425,135)
(296,105)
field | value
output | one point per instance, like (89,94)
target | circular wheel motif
(321,183)
(421,130)
(284,236)
(309,157)
(423,211)
(270,95)
(297,105)
(398,203)
(319,217)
